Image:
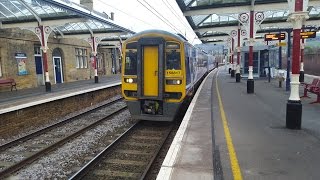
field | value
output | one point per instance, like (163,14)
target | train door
(150,70)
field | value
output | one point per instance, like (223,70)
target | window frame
(0,62)
(81,58)
(125,62)
(37,50)
(0,66)
(176,50)
(131,46)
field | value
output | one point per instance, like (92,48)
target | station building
(69,59)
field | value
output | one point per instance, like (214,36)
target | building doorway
(57,66)
(39,65)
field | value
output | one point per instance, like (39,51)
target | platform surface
(11,100)
(264,147)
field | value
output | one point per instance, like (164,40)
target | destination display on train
(309,34)
(274,37)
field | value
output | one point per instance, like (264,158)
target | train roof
(158,32)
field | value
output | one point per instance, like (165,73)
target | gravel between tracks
(65,161)
(53,121)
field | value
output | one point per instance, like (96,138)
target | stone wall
(15,40)
(15,122)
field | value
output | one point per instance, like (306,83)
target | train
(160,70)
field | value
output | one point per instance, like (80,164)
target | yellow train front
(157,73)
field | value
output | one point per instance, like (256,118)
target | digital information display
(309,34)
(274,37)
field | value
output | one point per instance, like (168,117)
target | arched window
(57,52)
(81,58)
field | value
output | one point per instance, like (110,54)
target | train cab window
(131,59)
(173,61)
(131,62)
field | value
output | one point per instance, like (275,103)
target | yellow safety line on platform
(232,153)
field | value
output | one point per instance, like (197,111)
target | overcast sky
(134,15)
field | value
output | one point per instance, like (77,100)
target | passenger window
(173,61)
(131,62)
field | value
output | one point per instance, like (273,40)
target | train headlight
(174,81)
(129,80)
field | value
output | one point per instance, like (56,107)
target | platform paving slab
(22,96)
(265,148)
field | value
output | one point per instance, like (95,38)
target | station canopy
(212,20)
(66,18)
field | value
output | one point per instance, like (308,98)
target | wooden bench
(8,82)
(316,90)
(309,87)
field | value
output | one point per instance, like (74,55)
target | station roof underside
(65,18)
(211,19)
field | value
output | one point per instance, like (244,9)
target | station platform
(15,100)
(229,134)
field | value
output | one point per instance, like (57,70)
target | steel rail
(109,149)
(7,171)
(85,169)
(156,153)
(53,126)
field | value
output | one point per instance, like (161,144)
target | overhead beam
(20,25)
(225,37)
(241,9)
(60,22)
(109,42)
(87,35)
(86,13)
(262,26)
(225,41)
(34,13)
(108,47)
(52,23)
(217,29)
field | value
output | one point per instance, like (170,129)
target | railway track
(130,156)
(19,153)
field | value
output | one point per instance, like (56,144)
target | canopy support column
(238,57)
(43,33)
(94,41)
(301,77)
(294,106)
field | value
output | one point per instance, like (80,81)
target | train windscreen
(131,59)
(173,61)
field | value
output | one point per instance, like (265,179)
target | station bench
(8,82)
(314,88)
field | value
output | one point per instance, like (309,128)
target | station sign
(308,34)
(274,37)
(281,44)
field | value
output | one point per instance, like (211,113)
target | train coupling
(152,107)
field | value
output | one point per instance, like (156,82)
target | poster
(21,61)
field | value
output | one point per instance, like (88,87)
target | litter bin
(281,77)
